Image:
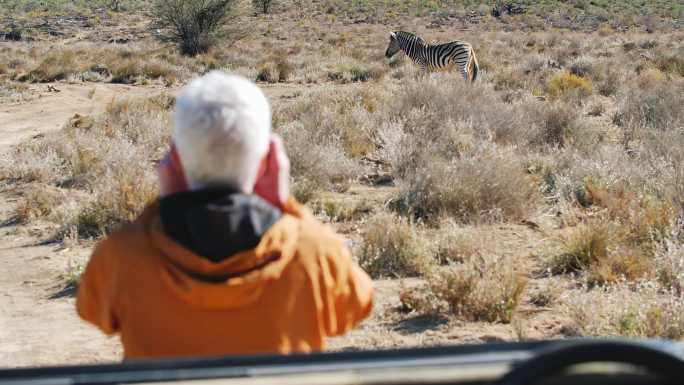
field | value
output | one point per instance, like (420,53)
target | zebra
(435,57)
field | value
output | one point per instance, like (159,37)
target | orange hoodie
(297,286)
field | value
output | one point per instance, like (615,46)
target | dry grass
(622,310)
(576,133)
(567,84)
(278,71)
(393,247)
(621,239)
(98,63)
(14,92)
(109,159)
(346,73)
(454,244)
(486,188)
(55,66)
(38,201)
(344,211)
(480,289)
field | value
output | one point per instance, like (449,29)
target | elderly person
(224,262)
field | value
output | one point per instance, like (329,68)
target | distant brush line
(439,57)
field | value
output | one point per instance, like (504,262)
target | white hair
(222,127)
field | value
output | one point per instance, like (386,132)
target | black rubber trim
(662,360)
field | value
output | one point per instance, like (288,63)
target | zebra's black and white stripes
(437,57)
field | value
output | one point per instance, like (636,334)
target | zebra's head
(393,47)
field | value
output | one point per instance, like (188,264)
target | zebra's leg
(464,73)
(424,70)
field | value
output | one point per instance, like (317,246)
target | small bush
(318,132)
(346,73)
(481,289)
(597,109)
(650,78)
(73,274)
(262,5)
(645,112)
(304,190)
(280,71)
(285,70)
(127,72)
(558,121)
(565,83)
(607,79)
(267,73)
(606,30)
(318,166)
(585,246)
(483,189)
(546,295)
(119,200)
(453,244)
(669,265)
(38,202)
(602,250)
(670,64)
(581,67)
(13,92)
(155,70)
(393,248)
(195,24)
(510,79)
(56,66)
(343,211)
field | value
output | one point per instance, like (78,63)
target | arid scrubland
(554,183)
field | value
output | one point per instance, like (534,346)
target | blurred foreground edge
(462,364)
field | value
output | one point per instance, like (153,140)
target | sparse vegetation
(73,274)
(101,157)
(554,181)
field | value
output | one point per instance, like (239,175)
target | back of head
(222,126)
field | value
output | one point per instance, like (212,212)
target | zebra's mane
(411,35)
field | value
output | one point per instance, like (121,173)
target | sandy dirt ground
(38,323)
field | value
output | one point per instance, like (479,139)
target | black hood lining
(216,223)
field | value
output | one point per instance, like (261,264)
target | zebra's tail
(476,67)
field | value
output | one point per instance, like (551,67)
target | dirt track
(38,325)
